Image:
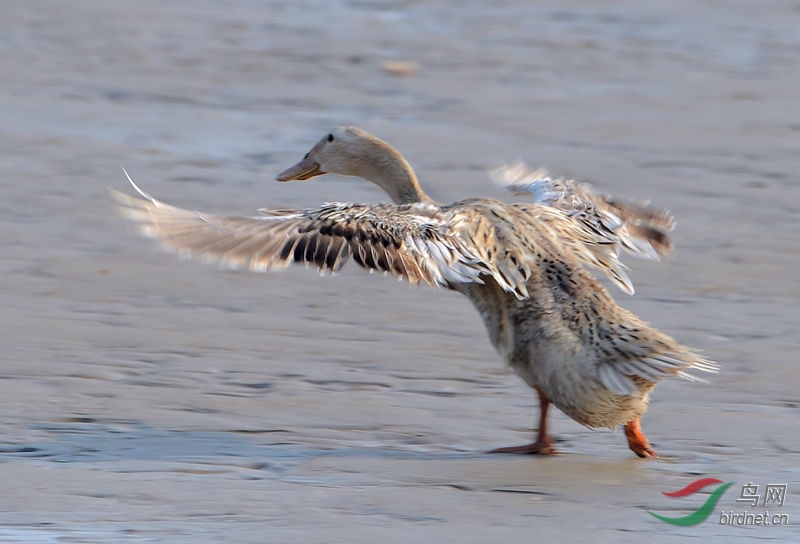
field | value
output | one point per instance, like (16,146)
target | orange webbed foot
(637,441)
(540,447)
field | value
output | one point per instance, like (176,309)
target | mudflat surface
(145,399)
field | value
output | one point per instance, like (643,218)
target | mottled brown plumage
(522,265)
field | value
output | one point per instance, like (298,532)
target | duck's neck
(390,171)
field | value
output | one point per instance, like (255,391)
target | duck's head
(344,150)
(350,151)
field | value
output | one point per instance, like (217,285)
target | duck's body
(522,266)
(570,341)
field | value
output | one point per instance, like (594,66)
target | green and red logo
(699,515)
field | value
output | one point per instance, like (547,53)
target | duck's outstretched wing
(416,242)
(601,226)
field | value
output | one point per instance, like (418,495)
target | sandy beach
(149,399)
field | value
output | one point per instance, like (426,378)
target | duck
(528,267)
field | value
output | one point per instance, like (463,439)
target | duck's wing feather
(599,227)
(416,242)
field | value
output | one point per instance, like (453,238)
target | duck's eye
(330,137)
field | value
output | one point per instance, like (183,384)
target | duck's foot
(534,448)
(543,445)
(637,441)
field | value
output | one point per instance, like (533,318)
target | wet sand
(148,399)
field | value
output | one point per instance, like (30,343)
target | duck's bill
(304,169)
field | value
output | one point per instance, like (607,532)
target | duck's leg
(544,442)
(637,441)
